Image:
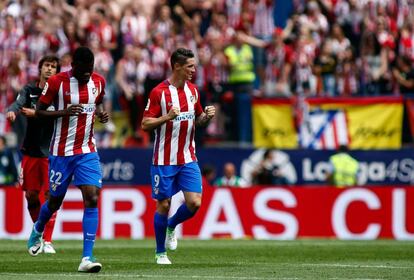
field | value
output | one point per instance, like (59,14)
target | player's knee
(91,201)
(163,206)
(54,203)
(194,204)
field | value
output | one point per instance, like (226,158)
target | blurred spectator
(38,43)
(158,64)
(403,73)
(230,178)
(306,48)
(100,29)
(131,71)
(8,170)
(268,172)
(344,169)
(69,38)
(315,21)
(347,74)
(208,174)
(311,55)
(11,38)
(374,64)
(324,69)
(241,77)
(216,76)
(134,25)
(262,28)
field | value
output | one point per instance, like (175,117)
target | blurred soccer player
(173,110)
(77,97)
(35,149)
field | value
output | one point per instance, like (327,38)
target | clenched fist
(173,113)
(210,111)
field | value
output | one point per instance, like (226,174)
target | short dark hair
(343,148)
(406,60)
(180,56)
(49,58)
(83,55)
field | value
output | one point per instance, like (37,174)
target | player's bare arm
(102,115)
(28,112)
(149,124)
(72,110)
(206,116)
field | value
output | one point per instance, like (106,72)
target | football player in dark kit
(34,177)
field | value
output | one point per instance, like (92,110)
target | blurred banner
(300,167)
(273,124)
(260,213)
(326,123)
(360,123)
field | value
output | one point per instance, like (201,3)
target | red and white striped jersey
(174,140)
(73,134)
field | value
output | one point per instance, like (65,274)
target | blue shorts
(85,169)
(167,180)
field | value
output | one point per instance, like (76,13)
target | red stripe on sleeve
(65,120)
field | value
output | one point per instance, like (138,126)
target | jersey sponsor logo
(33,95)
(186,116)
(88,108)
(45,88)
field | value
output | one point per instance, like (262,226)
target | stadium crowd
(326,48)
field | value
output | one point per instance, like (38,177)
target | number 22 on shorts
(54,179)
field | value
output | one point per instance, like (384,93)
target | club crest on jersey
(67,93)
(193,99)
(45,88)
(54,186)
(94,91)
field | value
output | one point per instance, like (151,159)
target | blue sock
(160,227)
(182,214)
(89,226)
(44,217)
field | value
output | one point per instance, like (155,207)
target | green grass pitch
(218,259)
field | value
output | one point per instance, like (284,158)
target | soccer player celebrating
(173,110)
(77,97)
(34,177)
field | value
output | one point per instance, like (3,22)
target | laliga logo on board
(280,159)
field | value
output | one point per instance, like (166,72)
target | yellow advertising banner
(273,125)
(371,123)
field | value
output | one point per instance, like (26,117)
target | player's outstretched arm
(72,110)
(149,123)
(206,116)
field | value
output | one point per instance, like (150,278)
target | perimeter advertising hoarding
(301,167)
(260,213)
